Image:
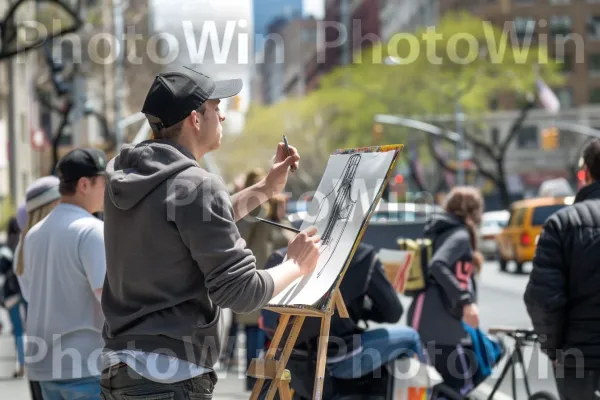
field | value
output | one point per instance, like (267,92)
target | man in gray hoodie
(174,254)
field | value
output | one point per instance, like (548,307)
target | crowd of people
(130,304)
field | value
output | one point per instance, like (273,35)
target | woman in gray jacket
(450,296)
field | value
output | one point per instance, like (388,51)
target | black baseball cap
(174,95)
(81,163)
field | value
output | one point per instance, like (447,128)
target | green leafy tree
(463,60)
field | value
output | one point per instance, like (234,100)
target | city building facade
(359,20)
(406,16)
(571,29)
(282,70)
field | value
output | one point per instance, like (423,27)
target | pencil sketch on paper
(347,192)
(341,210)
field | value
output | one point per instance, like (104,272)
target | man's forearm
(283,275)
(248,199)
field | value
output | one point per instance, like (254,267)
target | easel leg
(271,352)
(285,355)
(321,357)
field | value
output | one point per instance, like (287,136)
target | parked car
(517,241)
(492,224)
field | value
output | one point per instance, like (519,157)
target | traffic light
(377,132)
(550,139)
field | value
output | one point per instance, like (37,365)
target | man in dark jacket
(563,293)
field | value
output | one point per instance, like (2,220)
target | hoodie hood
(441,223)
(139,169)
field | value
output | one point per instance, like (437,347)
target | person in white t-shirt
(62,273)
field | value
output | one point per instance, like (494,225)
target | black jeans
(577,385)
(122,383)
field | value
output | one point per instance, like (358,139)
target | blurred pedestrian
(62,268)
(10,292)
(263,240)
(248,231)
(562,296)
(450,295)
(21,217)
(174,253)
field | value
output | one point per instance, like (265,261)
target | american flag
(547,97)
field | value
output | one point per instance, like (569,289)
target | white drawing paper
(349,187)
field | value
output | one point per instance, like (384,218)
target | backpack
(418,272)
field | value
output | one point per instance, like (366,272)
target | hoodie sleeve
(207,226)
(442,267)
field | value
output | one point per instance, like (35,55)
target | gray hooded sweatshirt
(174,256)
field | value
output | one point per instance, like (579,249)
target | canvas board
(347,193)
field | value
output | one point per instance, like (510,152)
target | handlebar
(527,335)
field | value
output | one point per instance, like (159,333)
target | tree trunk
(501,184)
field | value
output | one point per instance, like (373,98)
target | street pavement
(500,304)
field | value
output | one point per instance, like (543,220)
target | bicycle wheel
(542,396)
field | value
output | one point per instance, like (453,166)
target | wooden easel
(274,369)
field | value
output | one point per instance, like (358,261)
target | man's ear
(196,119)
(82,185)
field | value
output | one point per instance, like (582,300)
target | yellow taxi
(517,241)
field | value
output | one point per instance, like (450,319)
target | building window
(565,97)
(560,25)
(494,103)
(593,27)
(524,27)
(594,95)
(594,63)
(565,63)
(558,2)
(528,137)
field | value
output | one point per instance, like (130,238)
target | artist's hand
(471,315)
(277,176)
(304,250)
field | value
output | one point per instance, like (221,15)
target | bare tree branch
(438,158)
(483,171)
(515,127)
(480,144)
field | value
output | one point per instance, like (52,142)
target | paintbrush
(289,228)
